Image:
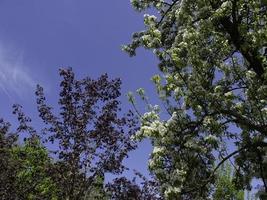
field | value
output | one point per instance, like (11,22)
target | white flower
(179,174)
(156,108)
(263,101)
(199,108)
(150,116)
(173,119)
(250,74)
(159,127)
(211,139)
(158,150)
(177,91)
(229,94)
(139,135)
(157,33)
(172,191)
(262,89)
(207,120)
(147,130)
(238,106)
(218,89)
(146,38)
(151,163)
(226,4)
(264,110)
(149,20)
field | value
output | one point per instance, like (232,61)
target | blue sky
(38,37)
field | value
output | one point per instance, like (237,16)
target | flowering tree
(212,55)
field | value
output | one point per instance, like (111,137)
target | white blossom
(158,150)
(229,94)
(250,74)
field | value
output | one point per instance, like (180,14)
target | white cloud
(15,78)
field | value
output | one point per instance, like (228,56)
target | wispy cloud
(15,77)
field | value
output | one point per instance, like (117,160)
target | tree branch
(166,12)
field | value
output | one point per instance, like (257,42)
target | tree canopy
(69,157)
(212,83)
(92,138)
(212,58)
(224,185)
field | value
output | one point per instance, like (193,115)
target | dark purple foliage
(91,136)
(125,189)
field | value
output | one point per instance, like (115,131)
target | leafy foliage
(24,170)
(213,84)
(32,177)
(7,165)
(92,139)
(88,138)
(224,186)
(212,55)
(125,189)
